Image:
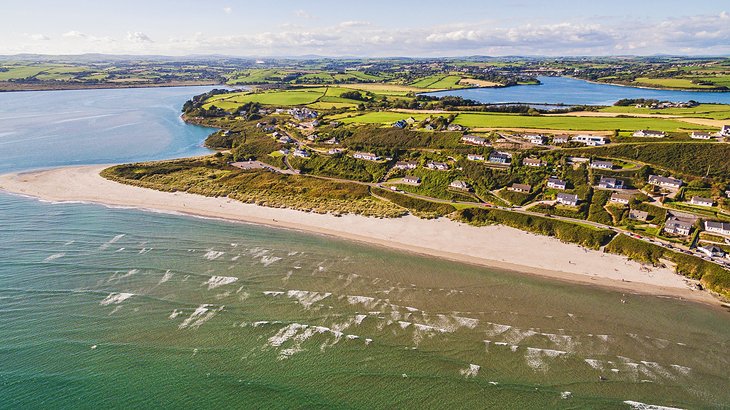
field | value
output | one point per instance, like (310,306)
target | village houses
(525,188)
(556,183)
(610,183)
(567,199)
(665,182)
(602,164)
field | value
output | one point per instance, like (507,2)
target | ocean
(117,308)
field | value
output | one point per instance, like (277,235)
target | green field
(669,83)
(18,72)
(280,98)
(712,111)
(380,117)
(554,122)
(438,81)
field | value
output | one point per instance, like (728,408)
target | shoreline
(496,246)
(106,86)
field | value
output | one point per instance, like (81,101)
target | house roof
(569,197)
(522,187)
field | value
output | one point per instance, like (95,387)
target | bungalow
(649,134)
(611,183)
(312,137)
(561,139)
(455,127)
(520,188)
(698,200)
(556,183)
(591,140)
(284,151)
(332,141)
(459,185)
(722,228)
(620,198)
(411,180)
(439,166)
(567,199)
(602,164)
(637,215)
(475,157)
(536,139)
(576,160)
(400,124)
(725,131)
(285,139)
(405,165)
(533,162)
(366,156)
(678,226)
(334,151)
(474,140)
(711,251)
(429,127)
(410,120)
(700,135)
(727,193)
(500,157)
(665,182)
(301,153)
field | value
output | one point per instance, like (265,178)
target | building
(474,140)
(406,165)
(411,180)
(332,141)
(455,127)
(520,188)
(700,135)
(678,226)
(619,198)
(556,183)
(533,162)
(722,228)
(711,251)
(698,200)
(334,151)
(576,160)
(561,139)
(439,166)
(536,139)
(301,153)
(610,183)
(725,131)
(285,139)
(591,140)
(649,134)
(602,165)
(567,199)
(461,185)
(665,182)
(637,215)
(475,157)
(302,113)
(400,124)
(366,156)
(500,157)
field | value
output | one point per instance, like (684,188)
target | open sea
(118,308)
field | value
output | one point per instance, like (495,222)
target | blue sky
(366,28)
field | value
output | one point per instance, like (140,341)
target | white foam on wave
(54,257)
(213,255)
(497,329)
(273,293)
(111,241)
(535,357)
(565,395)
(596,364)
(471,371)
(175,313)
(682,369)
(115,298)
(360,318)
(404,325)
(167,276)
(307,298)
(268,260)
(201,315)
(643,406)
(217,281)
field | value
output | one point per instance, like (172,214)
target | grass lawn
(18,72)
(381,117)
(506,121)
(281,98)
(669,83)
(712,111)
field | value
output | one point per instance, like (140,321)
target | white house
(301,153)
(533,162)
(405,165)
(678,226)
(474,140)
(567,199)
(525,188)
(561,139)
(366,156)
(439,166)
(698,200)
(665,182)
(610,183)
(591,140)
(459,185)
(556,183)
(711,251)
(649,134)
(619,198)
(475,157)
(500,157)
(725,131)
(722,228)
(536,139)
(602,164)
(411,180)
(700,135)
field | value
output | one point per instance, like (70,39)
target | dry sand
(494,246)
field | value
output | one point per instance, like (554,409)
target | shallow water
(123,308)
(569,91)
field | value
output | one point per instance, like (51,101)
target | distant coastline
(8,86)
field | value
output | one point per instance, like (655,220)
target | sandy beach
(493,246)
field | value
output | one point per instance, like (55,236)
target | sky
(366,28)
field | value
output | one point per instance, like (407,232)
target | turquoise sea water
(563,90)
(119,308)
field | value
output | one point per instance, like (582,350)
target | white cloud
(303,14)
(74,34)
(138,37)
(38,37)
(227,10)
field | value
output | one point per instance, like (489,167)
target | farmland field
(669,83)
(474,120)
(285,98)
(712,111)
